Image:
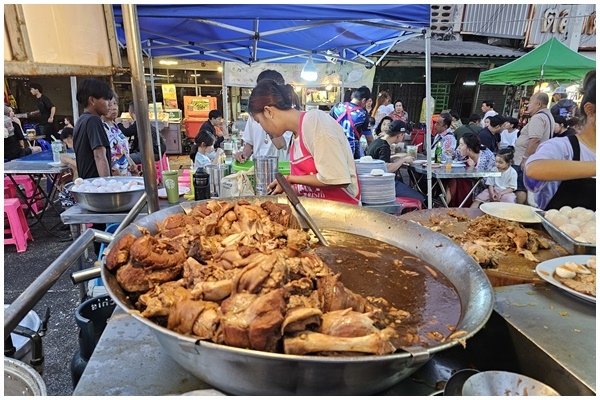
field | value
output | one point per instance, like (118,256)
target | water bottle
(201,184)
(438,153)
(228,150)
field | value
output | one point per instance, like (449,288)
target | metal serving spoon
(293,198)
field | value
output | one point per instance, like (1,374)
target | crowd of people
(555,149)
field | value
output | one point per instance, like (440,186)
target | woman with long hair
(321,163)
(382,106)
(477,156)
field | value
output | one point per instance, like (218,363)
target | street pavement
(20,270)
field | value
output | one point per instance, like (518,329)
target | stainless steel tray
(571,245)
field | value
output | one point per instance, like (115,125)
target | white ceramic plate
(511,212)
(419,162)
(546,269)
(162,192)
(56,164)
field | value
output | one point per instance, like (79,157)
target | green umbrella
(552,61)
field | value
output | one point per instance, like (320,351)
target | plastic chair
(185,179)
(18,228)
(29,188)
(409,204)
(161,165)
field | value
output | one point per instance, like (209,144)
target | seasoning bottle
(201,184)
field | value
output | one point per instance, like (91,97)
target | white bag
(237,185)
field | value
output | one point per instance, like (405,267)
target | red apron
(305,165)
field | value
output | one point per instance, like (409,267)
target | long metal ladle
(293,198)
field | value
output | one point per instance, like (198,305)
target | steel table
(36,167)
(417,172)
(128,360)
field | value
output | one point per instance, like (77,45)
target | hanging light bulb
(309,72)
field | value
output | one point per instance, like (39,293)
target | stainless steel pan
(248,372)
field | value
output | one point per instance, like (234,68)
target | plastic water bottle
(438,153)
(201,184)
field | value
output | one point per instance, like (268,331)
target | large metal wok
(248,372)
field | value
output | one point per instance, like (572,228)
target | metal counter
(128,359)
(556,325)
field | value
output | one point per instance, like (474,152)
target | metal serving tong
(293,198)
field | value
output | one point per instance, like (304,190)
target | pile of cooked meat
(488,238)
(243,274)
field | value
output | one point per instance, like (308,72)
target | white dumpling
(582,215)
(589,237)
(550,214)
(559,220)
(589,227)
(566,211)
(99,182)
(571,230)
(78,181)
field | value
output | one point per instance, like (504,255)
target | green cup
(171,186)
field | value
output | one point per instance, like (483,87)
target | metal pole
(138,86)
(74,104)
(38,288)
(225,101)
(428,113)
(154,105)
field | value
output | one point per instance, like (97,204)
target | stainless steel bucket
(22,380)
(265,168)
(217,173)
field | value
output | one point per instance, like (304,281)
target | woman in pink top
(321,163)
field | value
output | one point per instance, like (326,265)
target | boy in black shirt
(90,141)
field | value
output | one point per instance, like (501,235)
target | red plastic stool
(28,187)
(18,228)
(409,204)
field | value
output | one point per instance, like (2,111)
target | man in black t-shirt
(490,135)
(46,110)
(92,149)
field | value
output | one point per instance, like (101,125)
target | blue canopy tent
(252,33)
(249,33)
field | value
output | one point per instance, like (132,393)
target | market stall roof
(551,61)
(252,33)
(456,48)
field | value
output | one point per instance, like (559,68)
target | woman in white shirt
(321,163)
(382,107)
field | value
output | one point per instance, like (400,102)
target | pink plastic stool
(409,204)
(184,179)
(19,230)
(28,187)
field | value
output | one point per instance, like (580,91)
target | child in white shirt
(501,188)
(204,148)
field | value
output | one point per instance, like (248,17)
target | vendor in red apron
(321,163)
(562,171)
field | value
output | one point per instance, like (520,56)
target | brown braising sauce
(369,267)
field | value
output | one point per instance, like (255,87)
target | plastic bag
(238,184)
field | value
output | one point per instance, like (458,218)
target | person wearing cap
(563,106)
(380,149)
